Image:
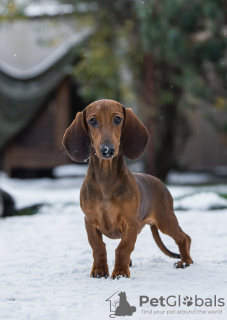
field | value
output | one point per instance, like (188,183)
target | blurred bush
(164,54)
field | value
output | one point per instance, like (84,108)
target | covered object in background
(36,61)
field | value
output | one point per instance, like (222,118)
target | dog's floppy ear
(135,136)
(76,140)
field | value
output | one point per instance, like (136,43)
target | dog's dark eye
(117,120)
(93,122)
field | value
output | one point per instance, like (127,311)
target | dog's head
(108,128)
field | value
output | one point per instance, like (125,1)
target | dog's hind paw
(181,265)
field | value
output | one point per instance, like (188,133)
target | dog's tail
(160,244)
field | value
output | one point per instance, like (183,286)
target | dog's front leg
(100,267)
(124,250)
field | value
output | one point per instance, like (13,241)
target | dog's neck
(106,172)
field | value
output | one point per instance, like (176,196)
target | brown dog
(116,202)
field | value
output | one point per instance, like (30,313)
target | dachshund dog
(115,201)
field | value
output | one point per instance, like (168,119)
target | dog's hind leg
(171,228)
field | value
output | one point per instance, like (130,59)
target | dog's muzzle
(107,151)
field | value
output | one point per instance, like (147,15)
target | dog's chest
(104,213)
(107,216)
(107,206)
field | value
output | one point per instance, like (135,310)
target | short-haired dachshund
(116,202)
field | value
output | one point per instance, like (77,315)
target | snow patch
(188,178)
(45,259)
(201,201)
(70,170)
(50,9)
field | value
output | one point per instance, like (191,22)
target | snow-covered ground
(45,259)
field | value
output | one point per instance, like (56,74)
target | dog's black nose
(107,151)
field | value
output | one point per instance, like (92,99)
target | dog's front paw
(121,272)
(99,272)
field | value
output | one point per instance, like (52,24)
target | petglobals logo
(119,305)
(189,305)
(173,301)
